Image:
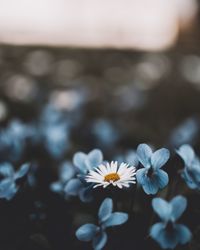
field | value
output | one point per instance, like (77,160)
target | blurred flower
(66,172)
(120,175)
(191,172)
(168,233)
(13,140)
(186,132)
(106,218)
(152,177)
(8,186)
(105,132)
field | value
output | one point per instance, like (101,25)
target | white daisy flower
(120,175)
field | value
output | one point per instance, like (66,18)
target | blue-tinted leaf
(144,154)
(116,219)
(73,187)
(162,208)
(179,204)
(184,234)
(94,159)
(99,241)
(105,209)
(87,232)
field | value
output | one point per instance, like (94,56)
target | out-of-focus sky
(137,24)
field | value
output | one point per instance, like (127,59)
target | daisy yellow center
(111,177)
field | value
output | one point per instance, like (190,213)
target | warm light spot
(111,177)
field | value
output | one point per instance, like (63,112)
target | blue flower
(152,177)
(77,186)
(191,172)
(168,233)
(8,186)
(106,218)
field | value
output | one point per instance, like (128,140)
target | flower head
(168,233)
(106,218)
(120,175)
(191,172)
(152,177)
(8,186)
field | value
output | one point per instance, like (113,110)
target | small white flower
(120,175)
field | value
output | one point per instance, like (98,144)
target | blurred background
(77,76)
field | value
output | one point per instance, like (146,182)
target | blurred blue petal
(184,234)
(116,218)
(99,241)
(179,204)
(79,161)
(186,152)
(141,176)
(73,187)
(160,157)
(156,229)
(6,170)
(144,153)
(22,171)
(161,177)
(85,194)
(67,171)
(56,187)
(162,208)
(87,232)
(94,159)
(105,210)
(150,186)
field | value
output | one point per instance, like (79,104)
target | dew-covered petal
(179,204)
(94,159)
(116,219)
(160,157)
(144,154)
(87,232)
(162,208)
(73,187)
(99,241)
(105,210)
(183,232)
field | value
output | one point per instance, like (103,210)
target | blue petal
(144,154)
(8,188)
(160,157)
(141,175)
(162,208)
(161,178)
(73,187)
(85,194)
(56,187)
(183,233)
(6,169)
(79,161)
(67,171)
(22,171)
(87,232)
(168,239)
(99,241)
(94,159)
(132,158)
(156,229)
(179,204)
(116,219)
(105,209)
(150,186)
(186,152)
